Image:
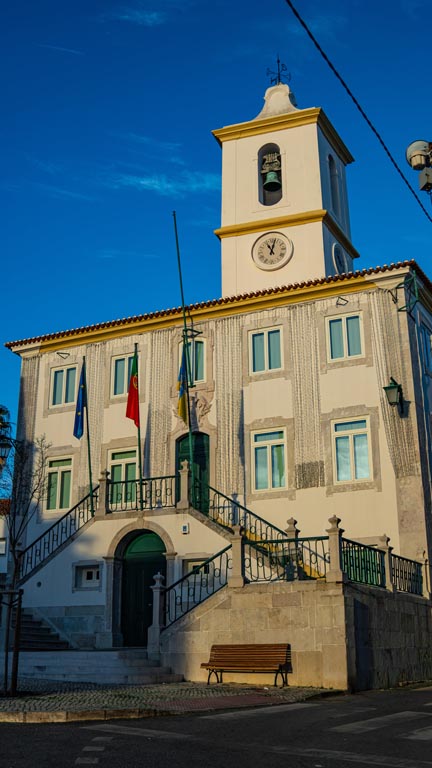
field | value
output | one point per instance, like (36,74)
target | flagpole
(88,439)
(140,469)
(186,346)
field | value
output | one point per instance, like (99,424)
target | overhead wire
(359,107)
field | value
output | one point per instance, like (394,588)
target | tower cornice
(282,122)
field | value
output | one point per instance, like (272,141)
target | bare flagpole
(187,355)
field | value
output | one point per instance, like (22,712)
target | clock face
(272,251)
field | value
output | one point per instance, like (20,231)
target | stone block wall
(342,636)
(389,637)
(309,615)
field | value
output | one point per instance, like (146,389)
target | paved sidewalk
(41,701)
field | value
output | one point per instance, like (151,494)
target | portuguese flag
(132,408)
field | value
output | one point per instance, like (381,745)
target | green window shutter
(65,486)
(343,463)
(258,357)
(274,350)
(70,385)
(52,490)
(199,360)
(119,376)
(336,339)
(353,336)
(57,387)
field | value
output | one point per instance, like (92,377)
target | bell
(272,182)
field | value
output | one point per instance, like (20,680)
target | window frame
(128,366)
(350,434)
(59,471)
(265,332)
(343,318)
(268,444)
(63,403)
(124,501)
(426,342)
(192,345)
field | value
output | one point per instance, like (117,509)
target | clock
(272,251)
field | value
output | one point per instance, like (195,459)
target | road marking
(349,712)
(272,710)
(362,726)
(103,738)
(353,757)
(144,732)
(93,749)
(86,760)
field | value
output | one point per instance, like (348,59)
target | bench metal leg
(283,673)
(217,673)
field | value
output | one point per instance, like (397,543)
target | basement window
(87,576)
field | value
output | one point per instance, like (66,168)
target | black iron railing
(57,534)
(157,493)
(296,559)
(407,575)
(227,512)
(362,563)
(203,581)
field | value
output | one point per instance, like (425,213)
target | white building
(289,414)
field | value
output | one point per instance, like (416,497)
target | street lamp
(394,394)
(5,435)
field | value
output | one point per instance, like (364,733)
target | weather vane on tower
(278,77)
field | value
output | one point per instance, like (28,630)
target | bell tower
(285,212)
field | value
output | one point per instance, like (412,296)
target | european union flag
(81,404)
(182,386)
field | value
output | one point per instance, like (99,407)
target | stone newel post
(335,574)
(103,505)
(291,567)
(384,547)
(183,501)
(153,640)
(426,572)
(236,579)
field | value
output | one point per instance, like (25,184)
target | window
(268,460)
(345,337)
(63,386)
(427,348)
(2,546)
(265,350)
(59,484)
(120,375)
(87,576)
(123,478)
(351,450)
(269,174)
(196,359)
(334,186)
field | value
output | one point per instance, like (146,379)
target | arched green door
(143,558)
(200,453)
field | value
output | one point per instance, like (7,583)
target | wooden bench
(275,657)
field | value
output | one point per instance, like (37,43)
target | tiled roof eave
(176,312)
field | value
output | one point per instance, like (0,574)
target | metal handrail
(287,559)
(362,563)
(202,582)
(231,512)
(56,535)
(157,493)
(407,575)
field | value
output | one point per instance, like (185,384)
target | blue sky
(108,107)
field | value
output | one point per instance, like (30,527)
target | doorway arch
(143,557)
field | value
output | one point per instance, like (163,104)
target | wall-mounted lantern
(394,394)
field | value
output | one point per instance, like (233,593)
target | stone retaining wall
(342,636)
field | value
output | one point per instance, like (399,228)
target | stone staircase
(36,635)
(121,666)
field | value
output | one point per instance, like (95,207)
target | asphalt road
(391,729)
